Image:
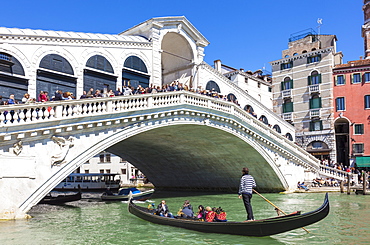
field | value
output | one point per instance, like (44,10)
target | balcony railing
(314,113)
(286,93)
(287,116)
(315,88)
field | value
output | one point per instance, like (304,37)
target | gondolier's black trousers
(247,204)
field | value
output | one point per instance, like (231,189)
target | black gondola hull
(265,227)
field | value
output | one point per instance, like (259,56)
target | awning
(363,162)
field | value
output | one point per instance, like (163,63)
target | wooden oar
(275,206)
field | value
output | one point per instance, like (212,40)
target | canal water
(91,221)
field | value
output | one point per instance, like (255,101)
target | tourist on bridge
(247,184)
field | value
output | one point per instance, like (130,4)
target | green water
(90,221)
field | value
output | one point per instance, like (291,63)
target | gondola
(258,228)
(60,199)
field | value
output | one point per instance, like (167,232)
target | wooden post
(348,184)
(341,185)
(364,183)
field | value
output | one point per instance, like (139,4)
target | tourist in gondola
(247,184)
(210,214)
(162,210)
(187,210)
(201,213)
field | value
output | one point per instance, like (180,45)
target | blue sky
(242,33)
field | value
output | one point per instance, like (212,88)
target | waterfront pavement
(319,189)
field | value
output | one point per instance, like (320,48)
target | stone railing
(336,173)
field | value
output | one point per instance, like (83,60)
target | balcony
(288,116)
(314,113)
(315,88)
(286,93)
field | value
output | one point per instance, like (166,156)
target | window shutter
(291,84)
(319,102)
(319,78)
(309,80)
(311,126)
(311,103)
(319,55)
(351,78)
(281,66)
(321,125)
(282,86)
(360,78)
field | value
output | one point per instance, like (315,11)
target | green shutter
(319,78)
(282,86)
(311,104)
(321,127)
(319,57)
(291,84)
(311,126)
(320,103)
(309,80)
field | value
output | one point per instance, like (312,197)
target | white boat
(123,195)
(89,182)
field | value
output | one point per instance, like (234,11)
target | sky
(244,34)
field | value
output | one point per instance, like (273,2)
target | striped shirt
(246,184)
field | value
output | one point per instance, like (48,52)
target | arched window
(295,54)
(289,136)
(315,78)
(95,79)
(55,73)
(304,51)
(264,119)
(12,79)
(277,128)
(287,84)
(211,85)
(135,72)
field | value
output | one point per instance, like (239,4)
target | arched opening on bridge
(289,136)
(264,119)
(342,140)
(12,80)
(277,128)
(212,86)
(99,74)
(195,157)
(55,73)
(319,149)
(231,97)
(177,58)
(250,110)
(135,73)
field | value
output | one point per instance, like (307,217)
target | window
(358,148)
(314,58)
(107,157)
(101,171)
(123,171)
(86,171)
(286,65)
(316,125)
(367,77)
(287,84)
(359,129)
(341,106)
(315,78)
(287,106)
(101,157)
(315,102)
(367,101)
(340,80)
(317,145)
(356,78)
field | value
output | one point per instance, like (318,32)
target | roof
(353,63)
(70,35)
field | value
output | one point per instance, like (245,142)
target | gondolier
(247,183)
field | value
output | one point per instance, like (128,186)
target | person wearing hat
(246,186)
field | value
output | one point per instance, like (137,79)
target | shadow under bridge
(196,157)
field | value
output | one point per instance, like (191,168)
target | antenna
(319,21)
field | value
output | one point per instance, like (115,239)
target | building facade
(109,163)
(302,90)
(352,112)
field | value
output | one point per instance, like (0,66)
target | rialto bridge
(179,140)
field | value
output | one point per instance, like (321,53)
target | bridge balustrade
(336,173)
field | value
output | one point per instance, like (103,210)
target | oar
(275,206)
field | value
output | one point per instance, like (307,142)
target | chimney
(241,69)
(217,65)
